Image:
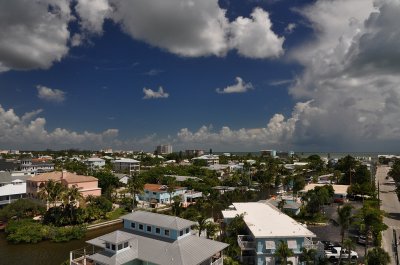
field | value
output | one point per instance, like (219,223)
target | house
(151,238)
(36,165)
(340,191)
(11,188)
(94,163)
(126,165)
(87,185)
(267,227)
(159,193)
(210,159)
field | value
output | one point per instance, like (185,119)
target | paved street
(391,205)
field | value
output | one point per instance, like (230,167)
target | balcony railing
(246,242)
(81,256)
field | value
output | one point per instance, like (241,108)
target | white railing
(246,242)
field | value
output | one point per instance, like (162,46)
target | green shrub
(29,231)
(64,234)
(26,231)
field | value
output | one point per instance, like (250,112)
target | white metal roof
(265,221)
(11,189)
(125,160)
(339,189)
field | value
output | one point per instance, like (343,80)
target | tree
(51,192)
(344,218)
(21,208)
(171,189)
(201,223)
(283,252)
(371,222)
(377,256)
(107,182)
(176,206)
(348,244)
(308,256)
(211,229)
(135,186)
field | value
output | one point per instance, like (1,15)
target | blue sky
(234,75)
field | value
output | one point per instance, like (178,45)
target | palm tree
(211,229)
(170,189)
(348,244)
(135,186)
(51,192)
(176,207)
(344,215)
(201,223)
(308,256)
(377,256)
(69,197)
(283,252)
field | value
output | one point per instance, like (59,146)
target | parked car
(362,240)
(334,254)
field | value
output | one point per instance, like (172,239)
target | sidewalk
(391,205)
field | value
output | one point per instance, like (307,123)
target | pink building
(87,185)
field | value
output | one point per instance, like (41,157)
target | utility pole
(396,255)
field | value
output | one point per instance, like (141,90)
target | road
(391,205)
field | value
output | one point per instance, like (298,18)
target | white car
(334,254)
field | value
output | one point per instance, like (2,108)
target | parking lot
(331,231)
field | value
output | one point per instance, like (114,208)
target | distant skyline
(302,75)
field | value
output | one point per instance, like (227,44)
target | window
(133,225)
(107,245)
(149,229)
(154,193)
(113,247)
(140,226)
(158,230)
(125,244)
(187,230)
(166,232)
(181,233)
(119,246)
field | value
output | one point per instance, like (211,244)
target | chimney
(63,174)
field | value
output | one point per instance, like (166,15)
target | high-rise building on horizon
(164,149)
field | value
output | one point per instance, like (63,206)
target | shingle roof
(117,237)
(5,177)
(160,220)
(190,250)
(68,176)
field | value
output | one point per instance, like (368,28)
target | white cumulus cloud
(29,132)
(351,75)
(33,34)
(254,37)
(92,14)
(49,94)
(239,87)
(278,133)
(197,28)
(149,93)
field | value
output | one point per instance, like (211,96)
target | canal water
(45,253)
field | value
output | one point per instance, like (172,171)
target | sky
(231,75)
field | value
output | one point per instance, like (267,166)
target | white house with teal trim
(159,193)
(151,239)
(267,227)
